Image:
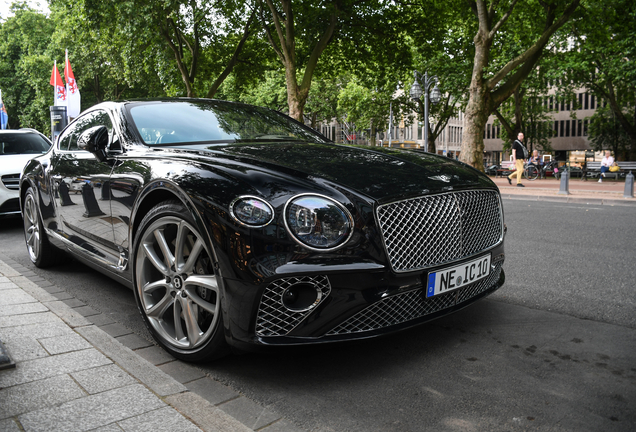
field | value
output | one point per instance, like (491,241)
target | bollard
(106,191)
(629,186)
(564,188)
(64,195)
(90,202)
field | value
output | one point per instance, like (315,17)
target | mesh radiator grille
(433,230)
(411,305)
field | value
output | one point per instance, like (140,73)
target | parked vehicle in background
(17,147)
(237,225)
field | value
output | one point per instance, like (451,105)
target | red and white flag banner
(72,91)
(58,87)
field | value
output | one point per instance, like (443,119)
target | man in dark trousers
(518,156)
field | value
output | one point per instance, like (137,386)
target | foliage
(24,40)
(602,60)
(350,32)
(527,111)
(606,133)
(508,39)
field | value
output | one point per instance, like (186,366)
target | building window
(567,128)
(555,131)
(551,103)
(580,101)
(580,131)
(586,100)
(562,134)
(488,131)
(592,102)
(584,127)
(562,105)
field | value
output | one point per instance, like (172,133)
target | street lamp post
(433,95)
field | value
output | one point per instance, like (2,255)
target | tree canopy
(342,60)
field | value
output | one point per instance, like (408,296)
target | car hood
(13,164)
(380,173)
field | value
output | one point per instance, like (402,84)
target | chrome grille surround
(428,231)
(273,318)
(407,306)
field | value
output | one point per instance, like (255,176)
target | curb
(165,378)
(571,199)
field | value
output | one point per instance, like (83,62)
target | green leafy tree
(606,133)
(26,67)
(602,60)
(367,108)
(527,112)
(187,47)
(508,39)
(97,51)
(301,32)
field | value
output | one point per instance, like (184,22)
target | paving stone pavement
(76,369)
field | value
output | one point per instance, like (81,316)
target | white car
(17,147)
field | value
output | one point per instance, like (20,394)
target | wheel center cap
(177,282)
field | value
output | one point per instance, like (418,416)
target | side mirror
(95,140)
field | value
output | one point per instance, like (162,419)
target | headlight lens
(252,211)
(318,222)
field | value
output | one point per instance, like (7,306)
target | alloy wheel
(32,228)
(176,285)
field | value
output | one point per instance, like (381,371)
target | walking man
(519,154)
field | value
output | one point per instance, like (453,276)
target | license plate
(451,278)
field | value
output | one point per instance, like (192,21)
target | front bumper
(352,304)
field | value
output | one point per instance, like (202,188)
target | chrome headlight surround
(251,211)
(317,222)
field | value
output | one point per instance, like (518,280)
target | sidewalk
(69,374)
(609,192)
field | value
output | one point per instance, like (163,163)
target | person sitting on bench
(606,163)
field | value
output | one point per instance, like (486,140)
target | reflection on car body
(238,226)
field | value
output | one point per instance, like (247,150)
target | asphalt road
(553,350)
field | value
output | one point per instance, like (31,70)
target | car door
(81,182)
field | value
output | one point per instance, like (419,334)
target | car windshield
(22,143)
(169,122)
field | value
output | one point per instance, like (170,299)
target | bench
(505,169)
(594,169)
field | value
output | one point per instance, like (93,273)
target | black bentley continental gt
(237,226)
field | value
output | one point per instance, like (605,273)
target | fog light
(301,297)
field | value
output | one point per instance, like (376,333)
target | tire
(533,173)
(175,285)
(40,250)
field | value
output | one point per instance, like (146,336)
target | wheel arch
(160,191)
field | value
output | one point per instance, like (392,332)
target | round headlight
(252,211)
(317,222)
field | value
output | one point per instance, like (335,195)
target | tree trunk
(285,48)
(475,118)
(478,108)
(296,97)
(485,95)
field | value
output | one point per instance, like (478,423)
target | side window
(68,141)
